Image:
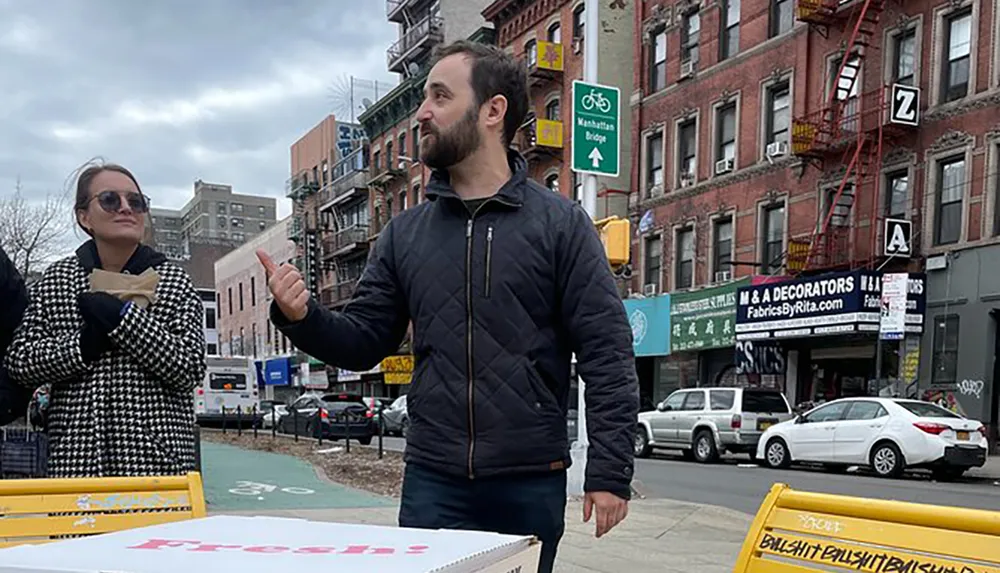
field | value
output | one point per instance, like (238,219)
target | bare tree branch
(33,232)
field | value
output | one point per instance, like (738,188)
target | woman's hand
(101,311)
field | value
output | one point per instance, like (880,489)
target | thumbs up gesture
(287,286)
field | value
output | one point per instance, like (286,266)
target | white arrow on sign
(596,157)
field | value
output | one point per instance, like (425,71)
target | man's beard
(451,146)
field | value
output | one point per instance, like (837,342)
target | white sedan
(887,434)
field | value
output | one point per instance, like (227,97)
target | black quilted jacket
(499,300)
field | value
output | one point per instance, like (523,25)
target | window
(652,254)
(377,160)
(578,22)
(221,221)
(531,53)
(221,207)
(945,356)
(552,182)
(654,161)
(828,413)
(675,401)
(730,44)
(927,409)
(253,291)
(416,194)
(262,225)
(230,301)
(388,156)
(211,349)
(236,223)
(241,296)
(416,143)
(554,34)
(695,401)
(904,57)
(402,200)
(577,187)
(847,84)
(402,143)
(782,18)
(210,318)
(658,61)
(685,259)
(865,410)
(690,37)
(774,239)
(722,242)
(238,207)
(897,185)
(721,399)
(959,41)
(253,333)
(552,110)
(950,193)
(326,172)
(688,149)
(726,132)
(262,211)
(778,114)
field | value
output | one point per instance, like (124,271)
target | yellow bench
(800,532)
(41,510)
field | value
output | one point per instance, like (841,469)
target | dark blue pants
(533,504)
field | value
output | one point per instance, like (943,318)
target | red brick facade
(751,79)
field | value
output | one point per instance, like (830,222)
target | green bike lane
(247,480)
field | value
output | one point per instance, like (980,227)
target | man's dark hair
(494,72)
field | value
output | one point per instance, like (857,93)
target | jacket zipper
(489,258)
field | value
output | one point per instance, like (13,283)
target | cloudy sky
(176,90)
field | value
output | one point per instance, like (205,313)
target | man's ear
(496,111)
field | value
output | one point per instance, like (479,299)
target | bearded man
(503,281)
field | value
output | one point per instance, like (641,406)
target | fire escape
(850,130)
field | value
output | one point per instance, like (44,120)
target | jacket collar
(143,258)
(511,193)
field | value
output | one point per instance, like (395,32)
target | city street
(729,485)
(733,485)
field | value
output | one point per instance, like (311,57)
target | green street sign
(596,136)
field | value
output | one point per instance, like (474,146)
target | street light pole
(579,451)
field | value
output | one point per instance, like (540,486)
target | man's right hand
(287,287)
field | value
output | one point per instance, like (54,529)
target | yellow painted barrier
(800,532)
(41,510)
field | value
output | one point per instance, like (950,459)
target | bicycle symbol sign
(596,136)
(256,489)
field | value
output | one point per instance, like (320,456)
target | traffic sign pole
(590,35)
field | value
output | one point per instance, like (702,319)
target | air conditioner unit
(687,180)
(656,190)
(577,45)
(723,276)
(724,165)
(777,148)
(649,289)
(687,68)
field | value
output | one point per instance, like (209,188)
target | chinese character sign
(705,318)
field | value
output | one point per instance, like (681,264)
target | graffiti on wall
(348,138)
(971,388)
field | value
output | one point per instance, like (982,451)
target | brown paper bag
(140,289)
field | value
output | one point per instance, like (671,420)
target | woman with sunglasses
(121,374)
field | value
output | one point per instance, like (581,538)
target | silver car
(706,422)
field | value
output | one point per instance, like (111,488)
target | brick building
(753,161)
(548,36)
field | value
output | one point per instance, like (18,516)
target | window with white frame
(552,110)
(773,238)
(654,160)
(554,33)
(722,246)
(658,60)
(552,182)
(687,150)
(684,269)
(778,119)
(897,194)
(531,53)
(725,136)
(958,44)
(651,251)
(950,195)
(730,35)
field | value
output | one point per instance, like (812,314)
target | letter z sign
(905,109)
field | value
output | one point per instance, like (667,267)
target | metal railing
(430,25)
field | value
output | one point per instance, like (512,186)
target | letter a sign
(897,237)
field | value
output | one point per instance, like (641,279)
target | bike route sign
(596,135)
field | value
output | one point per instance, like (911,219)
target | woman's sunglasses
(111,201)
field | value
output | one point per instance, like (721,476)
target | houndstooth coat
(130,412)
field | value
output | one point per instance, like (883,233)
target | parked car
(332,417)
(705,422)
(396,421)
(271,412)
(887,434)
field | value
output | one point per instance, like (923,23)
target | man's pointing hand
(286,285)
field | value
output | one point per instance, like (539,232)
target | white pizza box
(259,544)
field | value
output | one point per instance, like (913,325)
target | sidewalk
(989,471)
(658,536)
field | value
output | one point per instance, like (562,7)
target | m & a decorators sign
(835,303)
